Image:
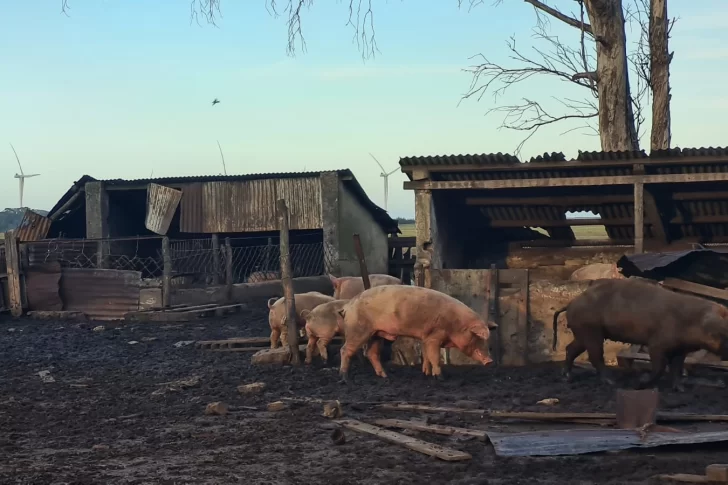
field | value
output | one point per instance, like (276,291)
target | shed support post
(97,219)
(425,230)
(166,273)
(639,220)
(287,283)
(330,222)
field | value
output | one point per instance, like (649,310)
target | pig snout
(481,357)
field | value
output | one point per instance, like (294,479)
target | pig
(347,287)
(277,314)
(260,276)
(596,271)
(323,323)
(392,311)
(637,312)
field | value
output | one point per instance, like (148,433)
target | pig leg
(677,363)
(323,352)
(348,350)
(432,354)
(312,341)
(373,352)
(658,359)
(595,349)
(275,334)
(573,350)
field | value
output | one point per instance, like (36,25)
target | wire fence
(193,262)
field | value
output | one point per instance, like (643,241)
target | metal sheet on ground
(580,442)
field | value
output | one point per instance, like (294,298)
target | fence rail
(402,256)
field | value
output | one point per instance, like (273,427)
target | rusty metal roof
(381,216)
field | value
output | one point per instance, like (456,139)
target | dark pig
(392,311)
(637,312)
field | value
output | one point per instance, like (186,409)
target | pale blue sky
(124,87)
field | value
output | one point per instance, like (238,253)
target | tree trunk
(660,75)
(616,122)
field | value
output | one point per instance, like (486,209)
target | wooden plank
(12,262)
(683,478)
(568,181)
(550,201)
(698,289)
(689,361)
(654,218)
(432,428)
(639,221)
(430,449)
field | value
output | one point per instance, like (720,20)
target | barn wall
(355,219)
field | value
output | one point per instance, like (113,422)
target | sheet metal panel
(162,203)
(42,284)
(33,227)
(583,441)
(250,205)
(102,294)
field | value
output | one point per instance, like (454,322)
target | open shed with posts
(170,239)
(494,231)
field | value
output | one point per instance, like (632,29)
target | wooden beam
(688,196)
(695,288)
(639,220)
(563,222)
(654,218)
(568,181)
(555,200)
(572,164)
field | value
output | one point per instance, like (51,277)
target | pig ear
(481,331)
(305,313)
(492,325)
(342,313)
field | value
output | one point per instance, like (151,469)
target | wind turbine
(385,175)
(21,176)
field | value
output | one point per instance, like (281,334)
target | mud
(108,417)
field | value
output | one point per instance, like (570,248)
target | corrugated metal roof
(549,157)
(381,216)
(604,156)
(691,152)
(483,159)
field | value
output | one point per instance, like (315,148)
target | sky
(123,89)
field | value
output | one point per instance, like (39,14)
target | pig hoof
(439,378)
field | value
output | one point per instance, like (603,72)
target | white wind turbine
(21,176)
(385,175)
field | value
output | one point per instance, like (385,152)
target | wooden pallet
(252,344)
(183,313)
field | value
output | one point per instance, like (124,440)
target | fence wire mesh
(194,262)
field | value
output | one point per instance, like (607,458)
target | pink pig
(277,315)
(347,287)
(392,311)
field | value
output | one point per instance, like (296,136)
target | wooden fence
(402,256)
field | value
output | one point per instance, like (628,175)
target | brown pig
(347,287)
(642,313)
(392,311)
(323,323)
(277,314)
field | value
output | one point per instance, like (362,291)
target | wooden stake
(166,273)
(12,260)
(228,270)
(639,218)
(288,283)
(216,259)
(362,262)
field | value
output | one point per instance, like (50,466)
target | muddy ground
(107,418)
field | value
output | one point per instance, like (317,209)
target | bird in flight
(215,101)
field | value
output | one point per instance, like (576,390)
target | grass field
(581,232)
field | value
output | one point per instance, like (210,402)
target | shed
(486,220)
(325,207)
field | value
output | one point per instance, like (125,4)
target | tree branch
(581,25)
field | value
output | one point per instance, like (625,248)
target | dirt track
(102,395)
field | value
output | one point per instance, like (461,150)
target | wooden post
(288,283)
(362,262)
(268,252)
(166,273)
(216,259)
(639,219)
(12,260)
(228,270)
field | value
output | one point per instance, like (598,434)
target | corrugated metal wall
(250,205)
(102,294)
